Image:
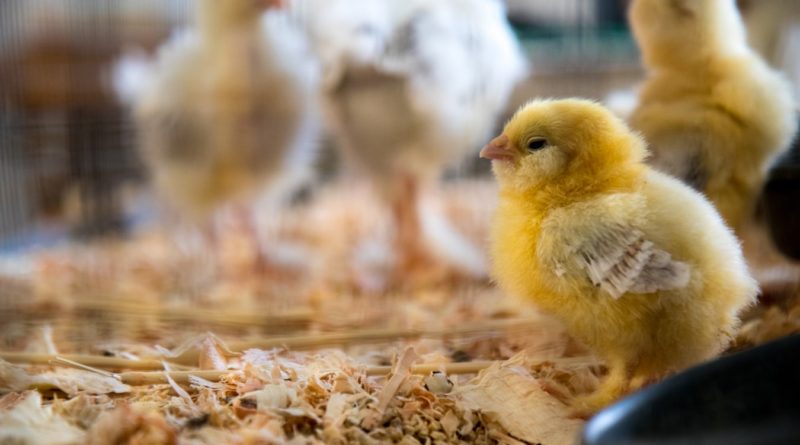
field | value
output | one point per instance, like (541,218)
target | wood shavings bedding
(149,300)
(284,397)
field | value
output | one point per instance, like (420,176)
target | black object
(747,398)
(781,199)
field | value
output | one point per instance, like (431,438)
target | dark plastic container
(781,201)
(747,398)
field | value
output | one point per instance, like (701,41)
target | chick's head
(569,144)
(681,33)
(216,14)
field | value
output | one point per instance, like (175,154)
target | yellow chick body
(714,113)
(638,266)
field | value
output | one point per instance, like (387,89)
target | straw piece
(298,342)
(68,362)
(134,378)
(427,368)
(182,377)
(94,361)
(301,316)
(473,367)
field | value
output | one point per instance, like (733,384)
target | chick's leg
(244,250)
(204,251)
(250,228)
(641,380)
(408,242)
(615,385)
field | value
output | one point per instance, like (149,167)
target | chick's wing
(620,259)
(602,243)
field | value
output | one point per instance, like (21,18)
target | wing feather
(621,259)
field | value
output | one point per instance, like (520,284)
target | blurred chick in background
(637,265)
(227,111)
(715,115)
(411,87)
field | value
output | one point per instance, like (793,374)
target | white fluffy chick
(227,112)
(410,87)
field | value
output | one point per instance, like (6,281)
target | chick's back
(412,86)
(688,226)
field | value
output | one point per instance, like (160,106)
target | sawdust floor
(156,339)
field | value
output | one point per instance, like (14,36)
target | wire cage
(67,144)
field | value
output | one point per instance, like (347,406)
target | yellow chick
(638,266)
(714,113)
(221,113)
(228,114)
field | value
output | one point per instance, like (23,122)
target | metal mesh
(67,146)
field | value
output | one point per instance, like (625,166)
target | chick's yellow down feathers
(638,266)
(229,110)
(714,113)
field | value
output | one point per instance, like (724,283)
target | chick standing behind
(228,109)
(715,115)
(411,86)
(637,265)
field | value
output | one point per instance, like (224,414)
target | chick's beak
(498,149)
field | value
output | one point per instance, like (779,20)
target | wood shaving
(128,425)
(25,420)
(70,381)
(510,395)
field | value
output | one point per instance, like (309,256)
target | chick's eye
(537,144)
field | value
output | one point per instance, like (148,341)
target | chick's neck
(576,188)
(220,19)
(715,36)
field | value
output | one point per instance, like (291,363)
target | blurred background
(68,159)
